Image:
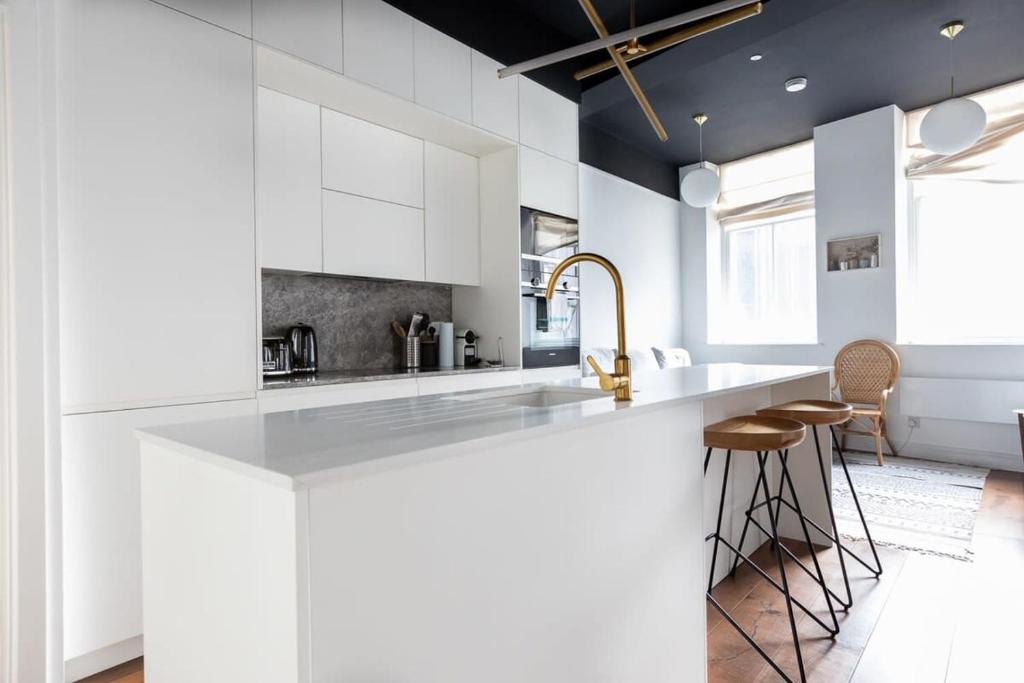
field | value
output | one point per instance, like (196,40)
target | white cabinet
(310,29)
(288,210)
(234,15)
(102,554)
(547,183)
(495,100)
(545,375)
(280,400)
(371,161)
(378,46)
(371,238)
(442,73)
(452,216)
(465,382)
(157,245)
(547,121)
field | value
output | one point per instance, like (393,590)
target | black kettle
(302,341)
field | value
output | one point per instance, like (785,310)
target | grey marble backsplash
(351,316)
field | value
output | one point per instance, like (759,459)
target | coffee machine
(466,354)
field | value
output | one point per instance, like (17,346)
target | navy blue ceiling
(857,55)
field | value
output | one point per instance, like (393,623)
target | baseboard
(993,460)
(105,658)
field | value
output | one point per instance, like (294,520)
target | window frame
(722,285)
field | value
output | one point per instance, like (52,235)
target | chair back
(866,370)
(672,357)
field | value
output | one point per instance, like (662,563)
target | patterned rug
(917,505)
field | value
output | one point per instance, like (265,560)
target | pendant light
(955,124)
(700,186)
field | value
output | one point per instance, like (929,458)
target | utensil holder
(428,353)
(412,352)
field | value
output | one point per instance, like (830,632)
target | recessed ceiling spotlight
(756,57)
(796,84)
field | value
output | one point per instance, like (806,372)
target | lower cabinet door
(481,380)
(372,238)
(102,543)
(537,375)
(281,400)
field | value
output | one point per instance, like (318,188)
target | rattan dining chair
(865,374)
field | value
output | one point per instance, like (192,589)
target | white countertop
(302,448)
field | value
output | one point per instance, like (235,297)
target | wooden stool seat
(754,433)
(811,412)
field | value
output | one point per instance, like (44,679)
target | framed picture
(854,253)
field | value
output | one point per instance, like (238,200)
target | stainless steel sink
(537,397)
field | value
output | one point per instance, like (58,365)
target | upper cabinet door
(442,73)
(378,45)
(370,238)
(234,15)
(288,182)
(548,183)
(548,121)
(372,161)
(310,29)
(495,100)
(156,154)
(452,216)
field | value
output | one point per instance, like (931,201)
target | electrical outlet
(913,422)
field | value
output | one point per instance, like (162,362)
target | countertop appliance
(277,357)
(550,328)
(302,340)
(465,348)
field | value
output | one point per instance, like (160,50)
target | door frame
(31,625)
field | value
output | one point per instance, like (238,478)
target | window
(769,283)
(966,257)
(761,251)
(960,273)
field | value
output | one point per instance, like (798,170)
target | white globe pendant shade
(953,125)
(700,187)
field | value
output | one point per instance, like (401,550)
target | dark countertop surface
(327,377)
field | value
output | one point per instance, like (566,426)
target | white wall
(860,189)
(638,230)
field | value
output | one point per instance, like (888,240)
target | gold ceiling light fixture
(700,187)
(627,73)
(625,45)
(954,124)
(695,30)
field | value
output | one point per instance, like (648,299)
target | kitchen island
(533,533)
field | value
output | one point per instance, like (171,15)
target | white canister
(446,345)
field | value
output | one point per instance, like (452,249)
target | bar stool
(824,413)
(760,435)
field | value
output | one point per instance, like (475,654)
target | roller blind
(769,186)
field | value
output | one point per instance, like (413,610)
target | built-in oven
(550,327)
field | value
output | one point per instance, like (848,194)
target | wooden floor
(129,672)
(927,619)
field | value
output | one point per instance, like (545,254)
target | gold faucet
(619,381)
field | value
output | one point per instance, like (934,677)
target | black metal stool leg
(718,525)
(782,567)
(877,569)
(848,603)
(746,524)
(785,476)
